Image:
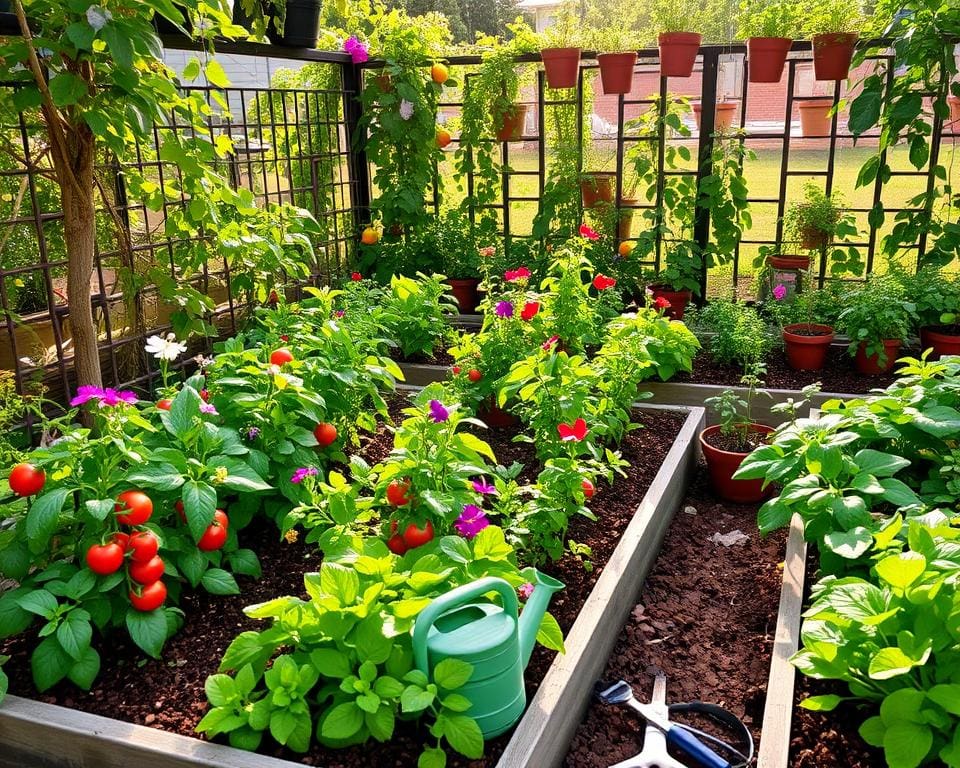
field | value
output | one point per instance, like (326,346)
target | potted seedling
(833,26)
(617,62)
(726,444)
(561,50)
(816,221)
(877,318)
(678,280)
(678,47)
(769,26)
(806,342)
(497,84)
(937,296)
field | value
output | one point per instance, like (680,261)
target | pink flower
(209,409)
(471,521)
(525,590)
(483,487)
(548,344)
(515,275)
(356,49)
(588,233)
(504,309)
(602,282)
(573,432)
(438,412)
(302,473)
(779,292)
(487,251)
(105,397)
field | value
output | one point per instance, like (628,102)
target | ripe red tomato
(204,395)
(164,405)
(123,539)
(396,544)
(216,534)
(26,480)
(416,537)
(179,507)
(588,489)
(105,558)
(474,375)
(281,356)
(139,505)
(456,370)
(325,433)
(151,596)
(148,572)
(144,545)
(398,492)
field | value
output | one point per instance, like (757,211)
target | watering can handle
(454,599)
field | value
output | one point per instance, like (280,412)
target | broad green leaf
(74,635)
(330,662)
(432,757)
(490,544)
(879,464)
(825,703)
(67,88)
(85,669)
(342,722)
(216,75)
(163,477)
(849,544)
(340,582)
(44,515)
(549,634)
(219,582)
(464,735)
(199,505)
(148,629)
(890,662)
(39,601)
(221,690)
(381,723)
(947,695)
(415,699)
(905,745)
(901,570)
(49,664)
(452,673)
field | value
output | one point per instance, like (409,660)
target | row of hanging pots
(832,54)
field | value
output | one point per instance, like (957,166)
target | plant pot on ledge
(678,300)
(562,66)
(300,27)
(815,117)
(807,345)
(869,365)
(678,52)
(616,71)
(832,54)
(722,463)
(723,118)
(942,339)
(465,291)
(767,57)
(597,187)
(514,120)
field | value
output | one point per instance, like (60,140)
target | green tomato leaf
(85,669)
(44,515)
(219,582)
(452,673)
(824,703)
(464,735)
(148,629)
(49,664)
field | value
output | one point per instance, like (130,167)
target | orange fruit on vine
(439,73)
(626,248)
(443,137)
(370,236)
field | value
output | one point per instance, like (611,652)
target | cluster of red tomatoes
(400,495)
(473,374)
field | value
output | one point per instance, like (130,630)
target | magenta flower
(438,412)
(339,312)
(548,344)
(779,291)
(105,397)
(300,474)
(525,590)
(471,521)
(516,275)
(483,487)
(504,309)
(209,409)
(356,48)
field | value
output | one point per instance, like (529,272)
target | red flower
(284,337)
(356,277)
(588,233)
(513,275)
(662,302)
(530,310)
(602,282)
(548,344)
(573,432)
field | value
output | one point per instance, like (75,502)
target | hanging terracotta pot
(616,71)
(465,292)
(597,187)
(625,223)
(767,57)
(869,365)
(832,54)
(815,117)
(813,239)
(954,102)
(678,300)
(807,345)
(562,66)
(513,121)
(678,52)
(722,464)
(723,117)
(942,342)
(801,263)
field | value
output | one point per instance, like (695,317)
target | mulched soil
(168,694)
(706,618)
(440,356)
(838,374)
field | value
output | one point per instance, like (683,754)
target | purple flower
(106,397)
(482,486)
(251,433)
(779,291)
(406,109)
(525,590)
(208,408)
(471,521)
(356,49)
(303,472)
(339,313)
(504,309)
(438,412)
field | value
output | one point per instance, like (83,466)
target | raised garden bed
(40,732)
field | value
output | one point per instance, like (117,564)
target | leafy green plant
(818,219)
(734,411)
(680,16)
(878,310)
(741,335)
(832,16)
(936,294)
(769,18)
(724,193)
(415,313)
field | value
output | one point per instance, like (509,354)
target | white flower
(165,348)
(406,109)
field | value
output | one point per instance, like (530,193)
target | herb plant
(878,310)
(769,18)
(741,335)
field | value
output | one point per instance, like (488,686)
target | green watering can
(491,638)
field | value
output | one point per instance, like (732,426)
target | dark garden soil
(838,374)
(706,619)
(168,694)
(734,443)
(440,356)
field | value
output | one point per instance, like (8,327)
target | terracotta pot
(954,102)
(767,57)
(722,464)
(513,122)
(806,352)
(933,337)
(813,239)
(465,292)
(678,300)
(870,365)
(678,52)
(723,118)
(832,54)
(814,117)
(493,416)
(384,82)
(789,262)
(616,71)
(597,187)
(562,66)
(625,224)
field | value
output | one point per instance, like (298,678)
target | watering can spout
(543,588)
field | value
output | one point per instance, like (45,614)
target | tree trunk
(79,228)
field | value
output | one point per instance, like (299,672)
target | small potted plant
(806,342)
(877,318)
(497,84)
(833,26)
(460,257)
(561,50)
(678,47)
(937,296)
(617,62)
(678,280)
(815,222)
(290,23)
(769,27)
(726,444)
